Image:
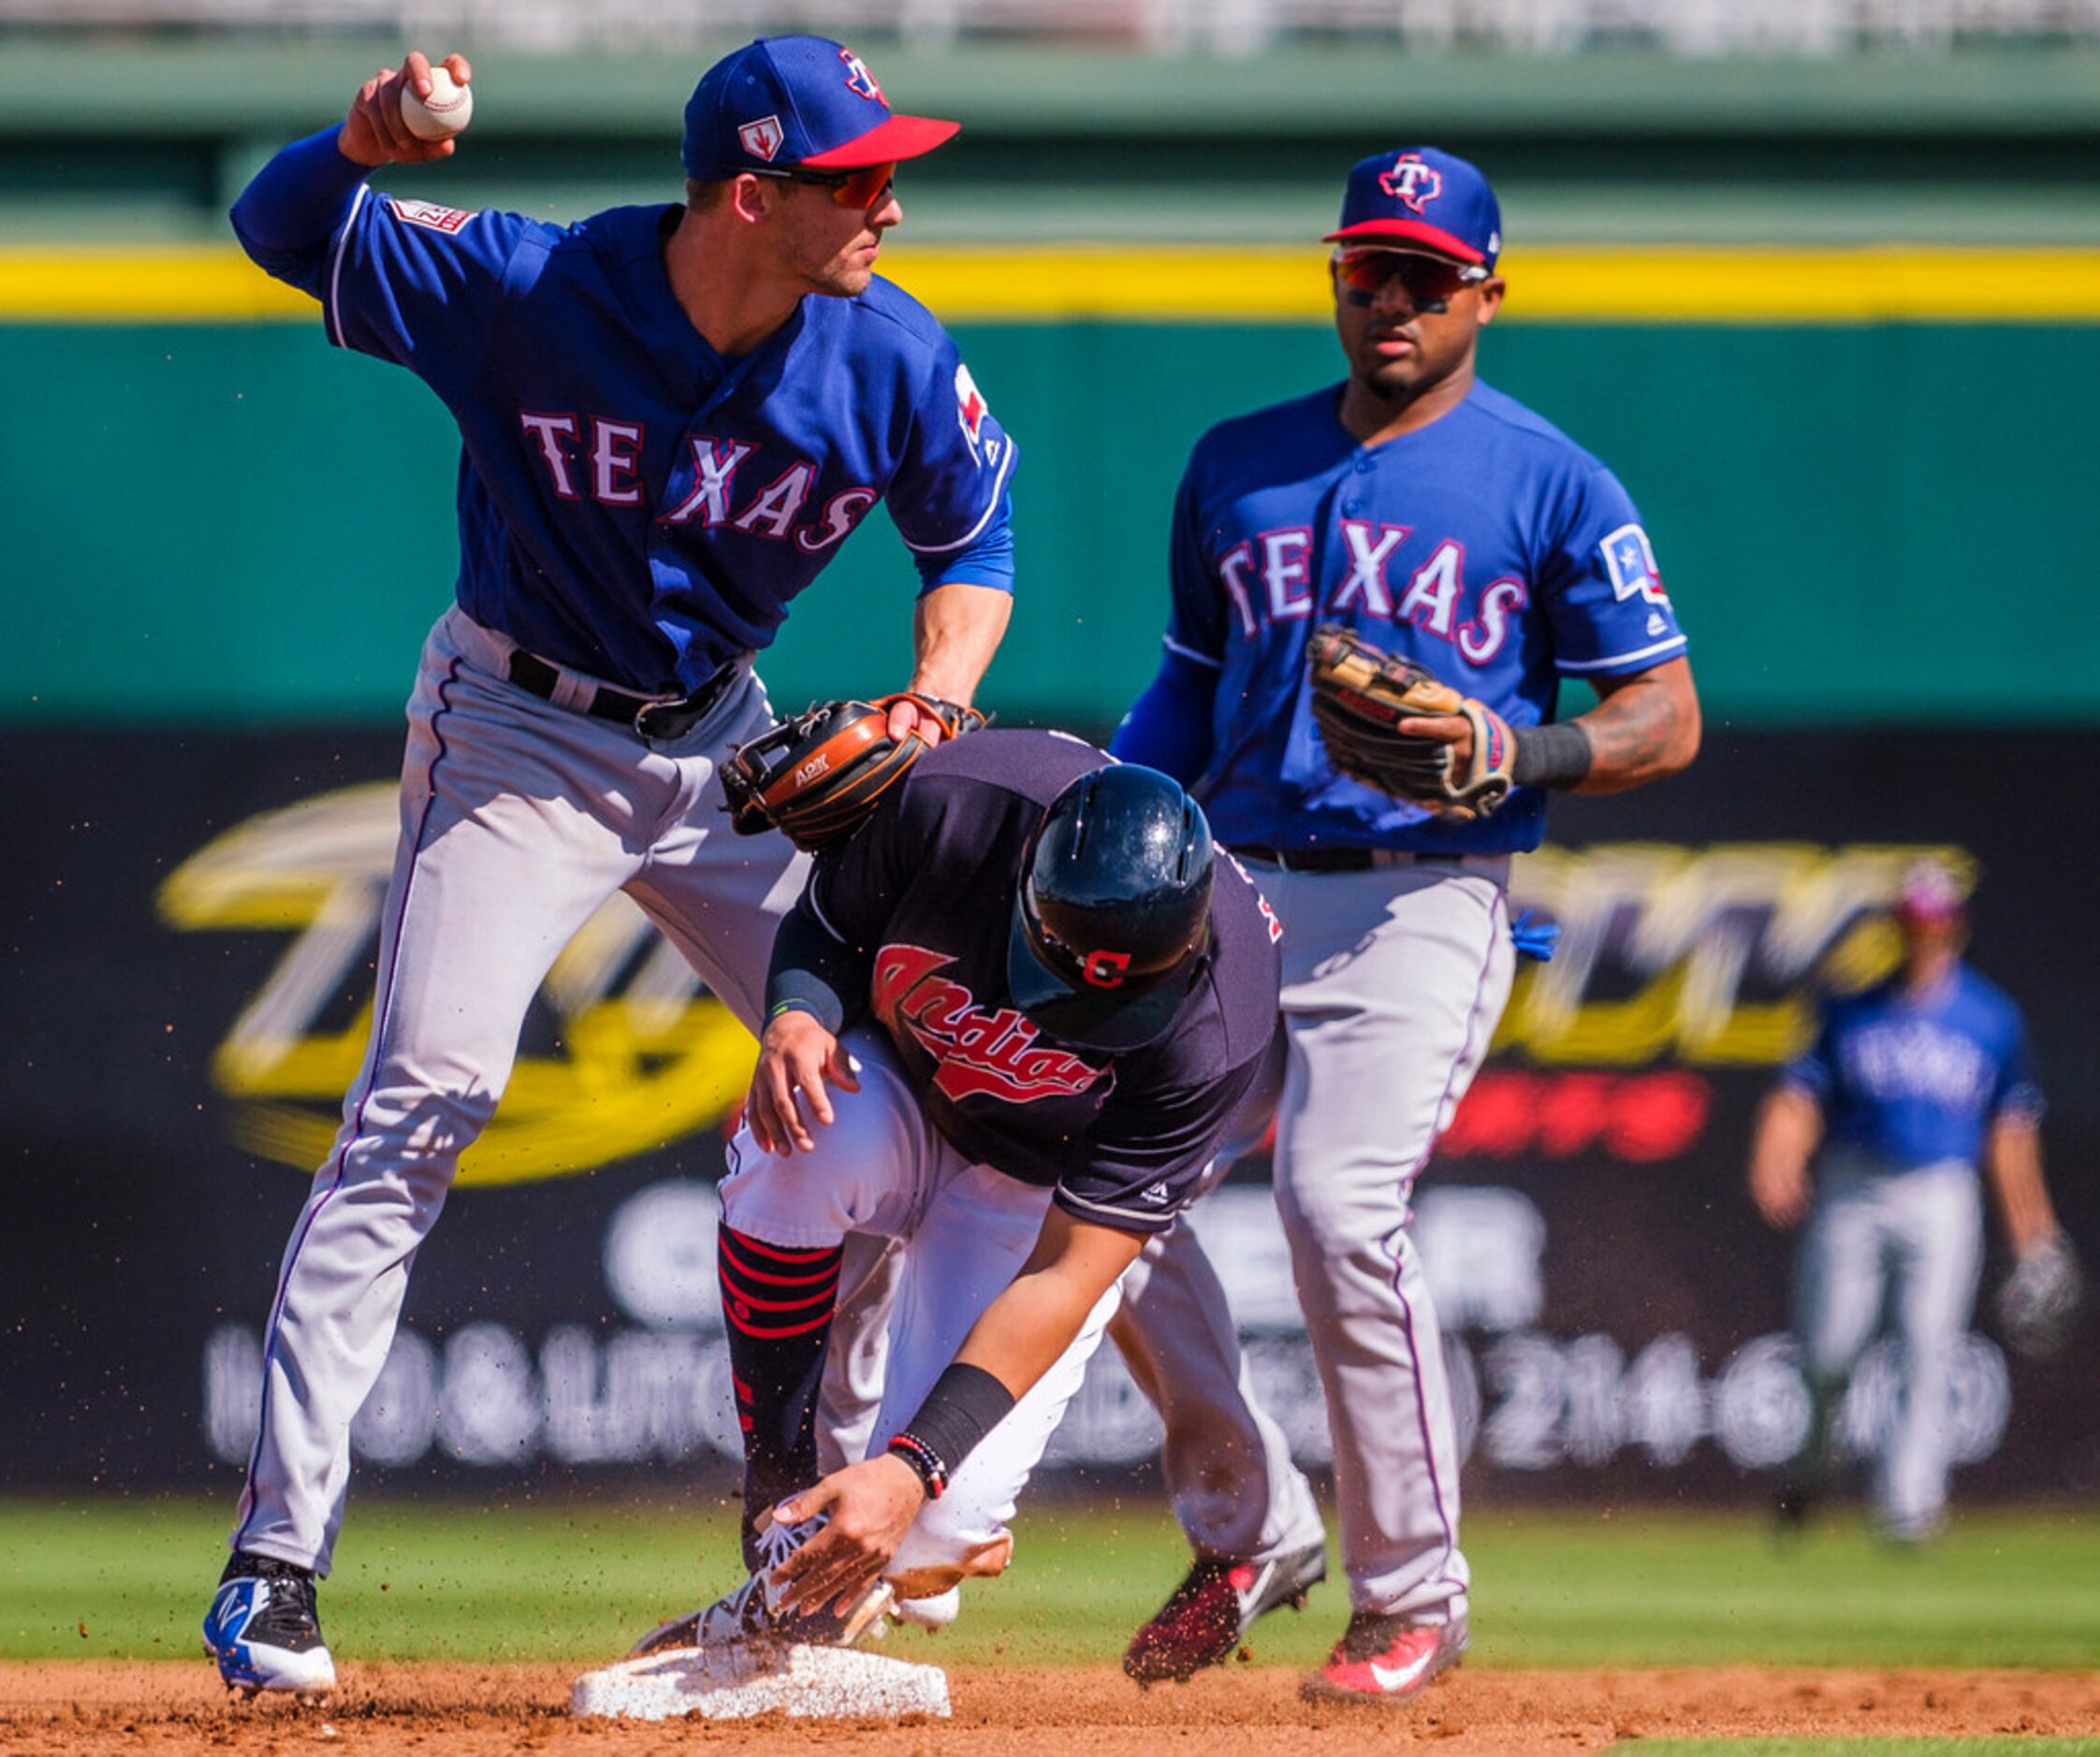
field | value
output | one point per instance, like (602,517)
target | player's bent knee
(784,1202)
(408,1137)
(856,1180)
(1326,1227)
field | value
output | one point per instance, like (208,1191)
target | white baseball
(440,116)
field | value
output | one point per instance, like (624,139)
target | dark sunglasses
(861,188)
(1430,282)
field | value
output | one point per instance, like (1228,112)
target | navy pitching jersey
(925,893)
(1486,547)
(1916,1082)
(632,503)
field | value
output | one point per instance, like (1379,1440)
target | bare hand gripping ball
(440,116)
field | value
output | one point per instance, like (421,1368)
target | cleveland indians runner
(1448,523)
(671,417)
(1008,1023)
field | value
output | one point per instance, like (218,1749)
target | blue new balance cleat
(263,1630)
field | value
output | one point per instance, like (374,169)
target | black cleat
(264,1631)
(1207,1616)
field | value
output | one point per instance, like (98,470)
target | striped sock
(778,1303)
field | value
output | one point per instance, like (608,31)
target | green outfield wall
(229,522)
(1836,324)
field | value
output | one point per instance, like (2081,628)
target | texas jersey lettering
(636,505)
(1488,548)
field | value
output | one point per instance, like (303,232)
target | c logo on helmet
(1415,183)
(1105,969)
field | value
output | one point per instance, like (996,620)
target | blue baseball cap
(801,101)
(1421,198)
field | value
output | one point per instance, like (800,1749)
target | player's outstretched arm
(956,629)
(1022,1332)
(1788,1127)
(1015,1340)
(1646,727)
(374,134)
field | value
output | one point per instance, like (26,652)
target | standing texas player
(1009,1024)
(671,416)
(1908,1090)
(1448,523)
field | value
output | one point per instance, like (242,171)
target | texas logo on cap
(798,101)
(1414,183)
(1421,198)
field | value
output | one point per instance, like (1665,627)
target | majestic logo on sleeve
(980,1052)
(761,139)
(1414,184)
(858,79)
(1632,563)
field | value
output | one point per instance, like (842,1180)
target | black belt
(1340,859)
(647,716)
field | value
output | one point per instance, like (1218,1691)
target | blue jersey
(632,503)
(1487,546)
(1915,1081)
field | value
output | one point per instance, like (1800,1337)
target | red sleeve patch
(429,213)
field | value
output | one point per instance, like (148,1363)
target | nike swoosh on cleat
(1399,1677)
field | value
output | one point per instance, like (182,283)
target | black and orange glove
(817,777)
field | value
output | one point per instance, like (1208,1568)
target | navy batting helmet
(1114,913)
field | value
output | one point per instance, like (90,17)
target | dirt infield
(478,1711)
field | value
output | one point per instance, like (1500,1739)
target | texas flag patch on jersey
(1631,562)
(429,213)
(970,410)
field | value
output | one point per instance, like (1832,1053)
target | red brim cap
(899,137)
(1405,232)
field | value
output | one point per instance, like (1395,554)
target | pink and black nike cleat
(1383,1657)
(1207,1616)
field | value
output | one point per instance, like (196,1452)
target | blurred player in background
(671,416)
(1446,522)
(1906,1089)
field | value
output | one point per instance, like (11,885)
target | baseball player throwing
(1009,1024)
(671,417)
(1416,510)
(1906,1087)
